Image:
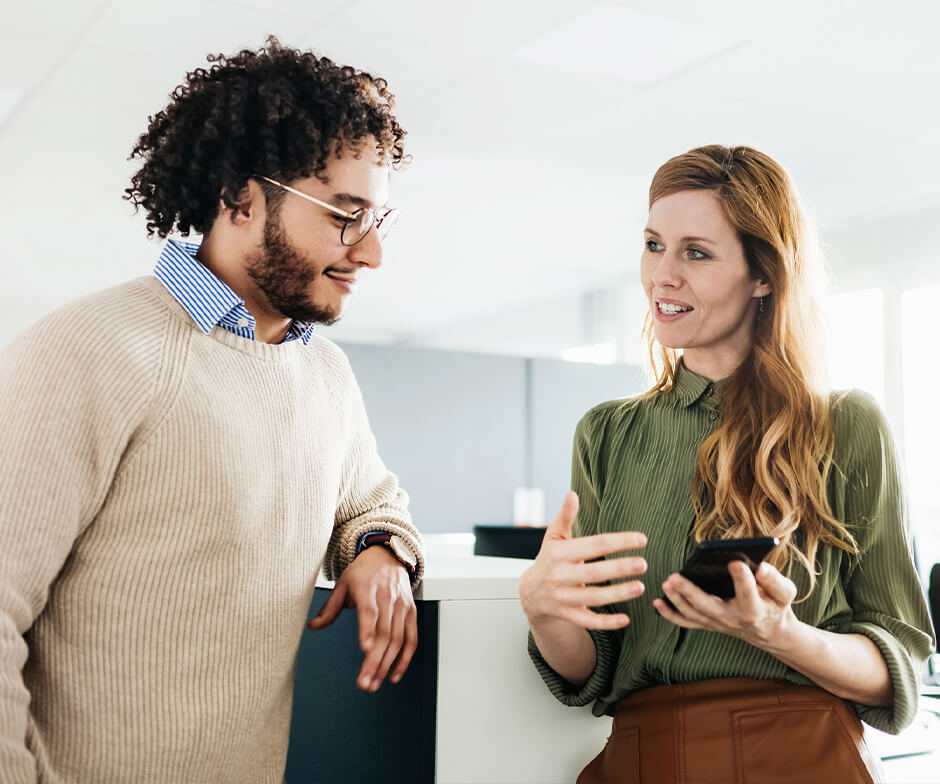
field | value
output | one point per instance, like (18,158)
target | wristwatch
(398,547)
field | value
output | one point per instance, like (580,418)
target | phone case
(707,567)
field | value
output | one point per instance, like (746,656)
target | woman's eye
(653,246)
(697,255)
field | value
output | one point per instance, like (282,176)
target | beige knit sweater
(166,501)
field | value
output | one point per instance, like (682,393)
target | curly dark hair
(276,111)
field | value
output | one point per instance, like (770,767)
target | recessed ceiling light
(625,43)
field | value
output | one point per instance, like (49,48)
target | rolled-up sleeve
(883,588)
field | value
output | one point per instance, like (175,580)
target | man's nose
(368,250)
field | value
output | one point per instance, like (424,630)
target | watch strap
(383,538)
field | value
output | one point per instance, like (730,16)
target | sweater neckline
(271,352)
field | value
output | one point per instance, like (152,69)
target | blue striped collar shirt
(207,299)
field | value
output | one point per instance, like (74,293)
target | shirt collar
(690,387)
(207,299)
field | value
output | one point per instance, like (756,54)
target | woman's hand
(760,613)
(849,665)
(565,581)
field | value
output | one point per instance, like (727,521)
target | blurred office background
(509,300)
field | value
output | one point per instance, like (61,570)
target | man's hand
(378,586)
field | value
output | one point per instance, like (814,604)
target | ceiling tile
(190,29)
(25,60)
(57,20)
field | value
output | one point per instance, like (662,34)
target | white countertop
(454,573)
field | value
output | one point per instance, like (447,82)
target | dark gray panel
(451,425)
(562,392)
(341,735)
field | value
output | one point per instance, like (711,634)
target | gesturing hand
(563,582)
(760,612)
(378,586)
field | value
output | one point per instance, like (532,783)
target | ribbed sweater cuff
(566,692)
(346,550)
(905,680)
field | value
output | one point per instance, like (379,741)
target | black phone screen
(707,567)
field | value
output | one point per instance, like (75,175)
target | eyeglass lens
(358,227)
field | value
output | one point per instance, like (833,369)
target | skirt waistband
(722,694)
(738,730)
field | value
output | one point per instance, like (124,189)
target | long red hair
(763,470)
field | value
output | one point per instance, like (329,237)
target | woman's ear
(762,288)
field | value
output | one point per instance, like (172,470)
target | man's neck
(227,264)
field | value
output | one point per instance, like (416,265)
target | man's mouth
(347,278)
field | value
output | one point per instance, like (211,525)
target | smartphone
(707,567)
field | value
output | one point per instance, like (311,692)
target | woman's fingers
(608,569)
(595,620)
(778,587)
(569,576)
(599,595)
(692,602)
(587,548)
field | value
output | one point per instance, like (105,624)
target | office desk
(471,708)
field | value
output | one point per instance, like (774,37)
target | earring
(761,304)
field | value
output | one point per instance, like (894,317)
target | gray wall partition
(451,426)
(562,393)
(463,430)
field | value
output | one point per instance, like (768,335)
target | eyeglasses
(356,224)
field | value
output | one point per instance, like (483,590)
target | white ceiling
(517,164)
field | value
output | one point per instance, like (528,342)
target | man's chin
(323,316)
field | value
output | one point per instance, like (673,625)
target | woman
(737,438)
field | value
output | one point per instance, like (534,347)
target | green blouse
(632,469)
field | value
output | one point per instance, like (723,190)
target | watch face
(402,551)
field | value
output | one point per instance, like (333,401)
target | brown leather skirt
(734,731)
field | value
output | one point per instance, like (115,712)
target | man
(180,454)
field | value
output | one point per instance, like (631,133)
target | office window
(856,342)
(921,379)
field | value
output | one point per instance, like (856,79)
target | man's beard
(284,274)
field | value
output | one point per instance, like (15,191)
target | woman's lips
(670,315)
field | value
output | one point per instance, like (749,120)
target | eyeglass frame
(348,216)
